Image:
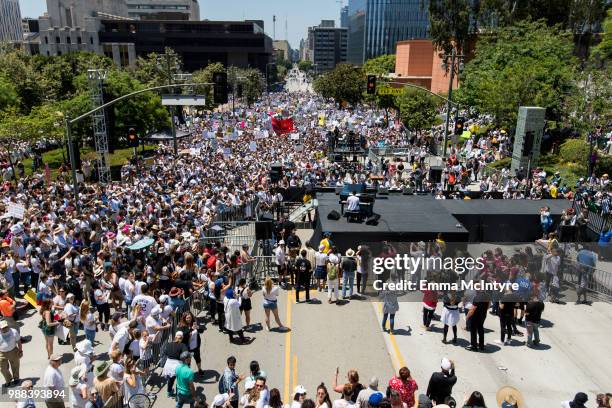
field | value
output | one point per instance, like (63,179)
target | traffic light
(132,138)
(371,90)
(459,125)
(220,87)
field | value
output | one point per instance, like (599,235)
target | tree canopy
(381,65)
(525,64)
(345,83)
(418,109)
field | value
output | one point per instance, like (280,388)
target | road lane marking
(295,362)
(399,359)
(288,347)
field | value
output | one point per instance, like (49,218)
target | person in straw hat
(509,397)
(349,266)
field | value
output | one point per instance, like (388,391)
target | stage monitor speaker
(373,219)
(333,215)
(383,191)
(276,172)
(435,174)
(263,230)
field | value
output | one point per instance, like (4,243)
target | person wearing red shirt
(405,385)
(430,300)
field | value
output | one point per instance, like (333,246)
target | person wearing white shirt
(54,381)
(352,202)
(281,259)
(142,298)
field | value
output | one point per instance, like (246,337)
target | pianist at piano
(352,202)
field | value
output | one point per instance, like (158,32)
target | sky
(299,14)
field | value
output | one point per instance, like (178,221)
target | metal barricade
(232,234)
(595,280)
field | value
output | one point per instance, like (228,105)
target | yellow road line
(288,347)
(398,355)
(295,362)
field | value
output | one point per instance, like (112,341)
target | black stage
(421,218)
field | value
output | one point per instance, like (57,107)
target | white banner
(16,210)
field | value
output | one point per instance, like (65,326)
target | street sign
(385,90)
(183,100)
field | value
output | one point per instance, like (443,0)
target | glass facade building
(375,26)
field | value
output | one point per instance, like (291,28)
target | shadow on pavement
(403,332)
(209,377)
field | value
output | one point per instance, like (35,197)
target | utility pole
(167,66)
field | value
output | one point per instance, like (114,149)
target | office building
(10,21)
(282,50)
(233,43)
(419,63)
(103,27)
(164,9)
(344,17)
(375,26)
(327,45)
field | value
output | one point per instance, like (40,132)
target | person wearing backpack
(333,269)
(228,383)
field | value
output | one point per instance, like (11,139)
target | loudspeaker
(373,219)
(435,174)
(263,230)
(276,172)
(528,144)
(333,215)
(383,191)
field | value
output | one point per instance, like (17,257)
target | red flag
(282,126)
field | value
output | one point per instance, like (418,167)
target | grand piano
(366,200)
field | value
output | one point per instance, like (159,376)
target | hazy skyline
(299,14)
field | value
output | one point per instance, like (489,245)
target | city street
(297,82)
(325,336)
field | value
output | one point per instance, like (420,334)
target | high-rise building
(164,9)
(327,45)
(103,27)
(375,26)
(344,17)
(10,21)
(282,49)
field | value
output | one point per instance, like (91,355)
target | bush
(574,151)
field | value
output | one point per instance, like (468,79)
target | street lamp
(448,63)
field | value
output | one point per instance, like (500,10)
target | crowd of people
(133,260)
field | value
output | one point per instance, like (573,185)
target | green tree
(418,109)
(603,50)
(27,82)
(450,23)
(144,111)
(345,83)
(381,65)
(305,65)
(526,64)
(205,75)
(8,93)
(158,69)
(578,16)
